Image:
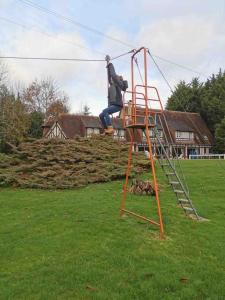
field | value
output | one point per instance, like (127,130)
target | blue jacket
(115,87)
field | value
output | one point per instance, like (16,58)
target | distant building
(70,126)
(187,132)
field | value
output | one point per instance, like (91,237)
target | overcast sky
(189,33)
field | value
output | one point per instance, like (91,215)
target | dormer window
(159,133)
(205,138)
(184,135)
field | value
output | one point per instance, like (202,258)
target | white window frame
(119,134)
(90,131)
(205,137)
(184,135)
(160,133)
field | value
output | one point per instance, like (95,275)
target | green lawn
(73,245)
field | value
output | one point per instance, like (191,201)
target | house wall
(55,132)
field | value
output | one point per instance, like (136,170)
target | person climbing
(115,99)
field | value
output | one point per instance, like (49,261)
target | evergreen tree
(208,99)
(36,122)
(86,110)
(220,137)
(213,100)
(186,97)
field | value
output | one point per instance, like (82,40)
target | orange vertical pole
(150,146)
(154,181)
(127,174)
(146,86)
(133,117)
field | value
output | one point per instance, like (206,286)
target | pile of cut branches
(58,164)
(141,187)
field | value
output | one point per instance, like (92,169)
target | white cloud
(84,81)
(169,29)
(188,40)
(179,38)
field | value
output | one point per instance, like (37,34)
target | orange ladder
(139,113)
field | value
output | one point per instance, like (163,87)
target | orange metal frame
(138,117)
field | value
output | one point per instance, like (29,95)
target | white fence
(207,156)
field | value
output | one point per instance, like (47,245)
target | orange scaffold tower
(140,111)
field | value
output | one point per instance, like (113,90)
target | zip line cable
(116,57)
(182,173)
(171,89)
(160,71)
(63,59)
(139,71)
(49,35)
(69,20)
(66,41)
(90,29)
(52,59)
(179,65)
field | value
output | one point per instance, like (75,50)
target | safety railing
(138,109)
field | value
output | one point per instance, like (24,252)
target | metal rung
(168,174)
(174,182)
(183,200)
(178,191)
(188,209)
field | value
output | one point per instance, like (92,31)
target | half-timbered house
(187,132)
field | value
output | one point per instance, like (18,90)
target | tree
(40,95)
(186,97)
(36,122)
(58,107)
(220,137)
(213,100)
(14,119)
(3,73)
(86,110)
(208,99)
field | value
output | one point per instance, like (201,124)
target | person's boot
(109,130)
(103,132)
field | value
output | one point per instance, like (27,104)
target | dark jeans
(104,115)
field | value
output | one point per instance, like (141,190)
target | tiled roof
(91,122)
(75,125)
(186,121)
(71,125)
(182,121)
(117,123)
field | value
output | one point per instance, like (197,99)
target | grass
(73,245)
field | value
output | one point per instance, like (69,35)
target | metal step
(189,209)
(183,200)
(178,191)
(174,182)
(177,183)
(170,174)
